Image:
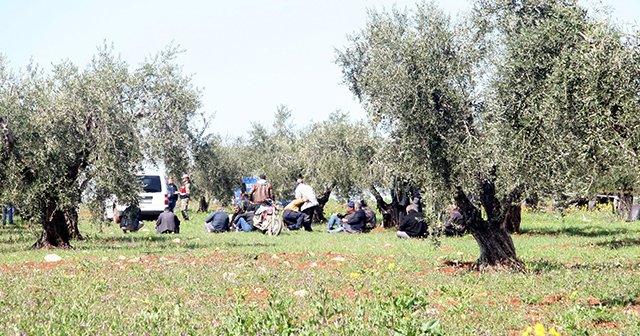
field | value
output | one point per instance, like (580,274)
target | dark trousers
(308,218)
(293,219)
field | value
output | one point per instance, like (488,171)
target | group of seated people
(359,218)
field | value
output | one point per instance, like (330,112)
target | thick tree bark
(392,213)
(71,218)
(496,246)
(203,205)
(625,200)
(55,230)
(513,218)
(318,216)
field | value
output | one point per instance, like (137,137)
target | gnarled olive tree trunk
(496,246)
(55,227)
(318,216)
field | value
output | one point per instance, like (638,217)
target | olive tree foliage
(413,75)
(274,152)
(73,130)
(528,96)
(218,168)
(562,101)
(169,112)
(338,155)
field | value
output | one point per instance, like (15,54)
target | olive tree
(500,105)
(337,156)
(274,152)
(74,130)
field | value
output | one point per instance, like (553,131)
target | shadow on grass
(544,266)
(625,301)
(587,231)
(620,243)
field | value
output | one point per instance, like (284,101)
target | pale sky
(248,56)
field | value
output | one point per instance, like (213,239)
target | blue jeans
(336,230)
(172,204)
(8,210)
(244,226)
(334,220)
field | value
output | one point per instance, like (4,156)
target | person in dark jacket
(217,222)
(412,225)
(242,218)
(172,194)
(167,222)
(354,221)
(131,219)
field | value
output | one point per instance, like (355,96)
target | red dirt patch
(514,302)
(607,325)
(551,299)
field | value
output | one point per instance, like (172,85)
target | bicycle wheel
(276,226)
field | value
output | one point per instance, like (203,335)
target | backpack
(370,218)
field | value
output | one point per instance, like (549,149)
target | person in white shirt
(304,191)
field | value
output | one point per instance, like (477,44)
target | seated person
(453,222)
(336,219)
(242,218)
(167,222)
(354,221)
(412,224)
(131,219)
(217,222)
(371,220)
(293,218)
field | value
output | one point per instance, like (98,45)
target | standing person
(184,196)
(412,225)
(304,191)
(261,191)
(7,211)
(217,222)
(168,222)
(172,193)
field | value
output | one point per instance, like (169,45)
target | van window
(151,183)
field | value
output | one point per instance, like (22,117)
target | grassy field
(583,279)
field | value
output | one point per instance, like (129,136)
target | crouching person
(295,219)
(167,222)
(131,219)
(217,222)
(412,225)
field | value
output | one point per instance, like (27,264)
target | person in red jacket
(184,196)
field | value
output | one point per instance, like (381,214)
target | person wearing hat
(184,196)
(335,221)
(354,221)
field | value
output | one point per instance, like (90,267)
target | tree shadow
(542,266)
(620,243)
(587,231)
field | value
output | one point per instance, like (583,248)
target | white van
(153,198)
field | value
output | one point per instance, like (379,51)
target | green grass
(582,279)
